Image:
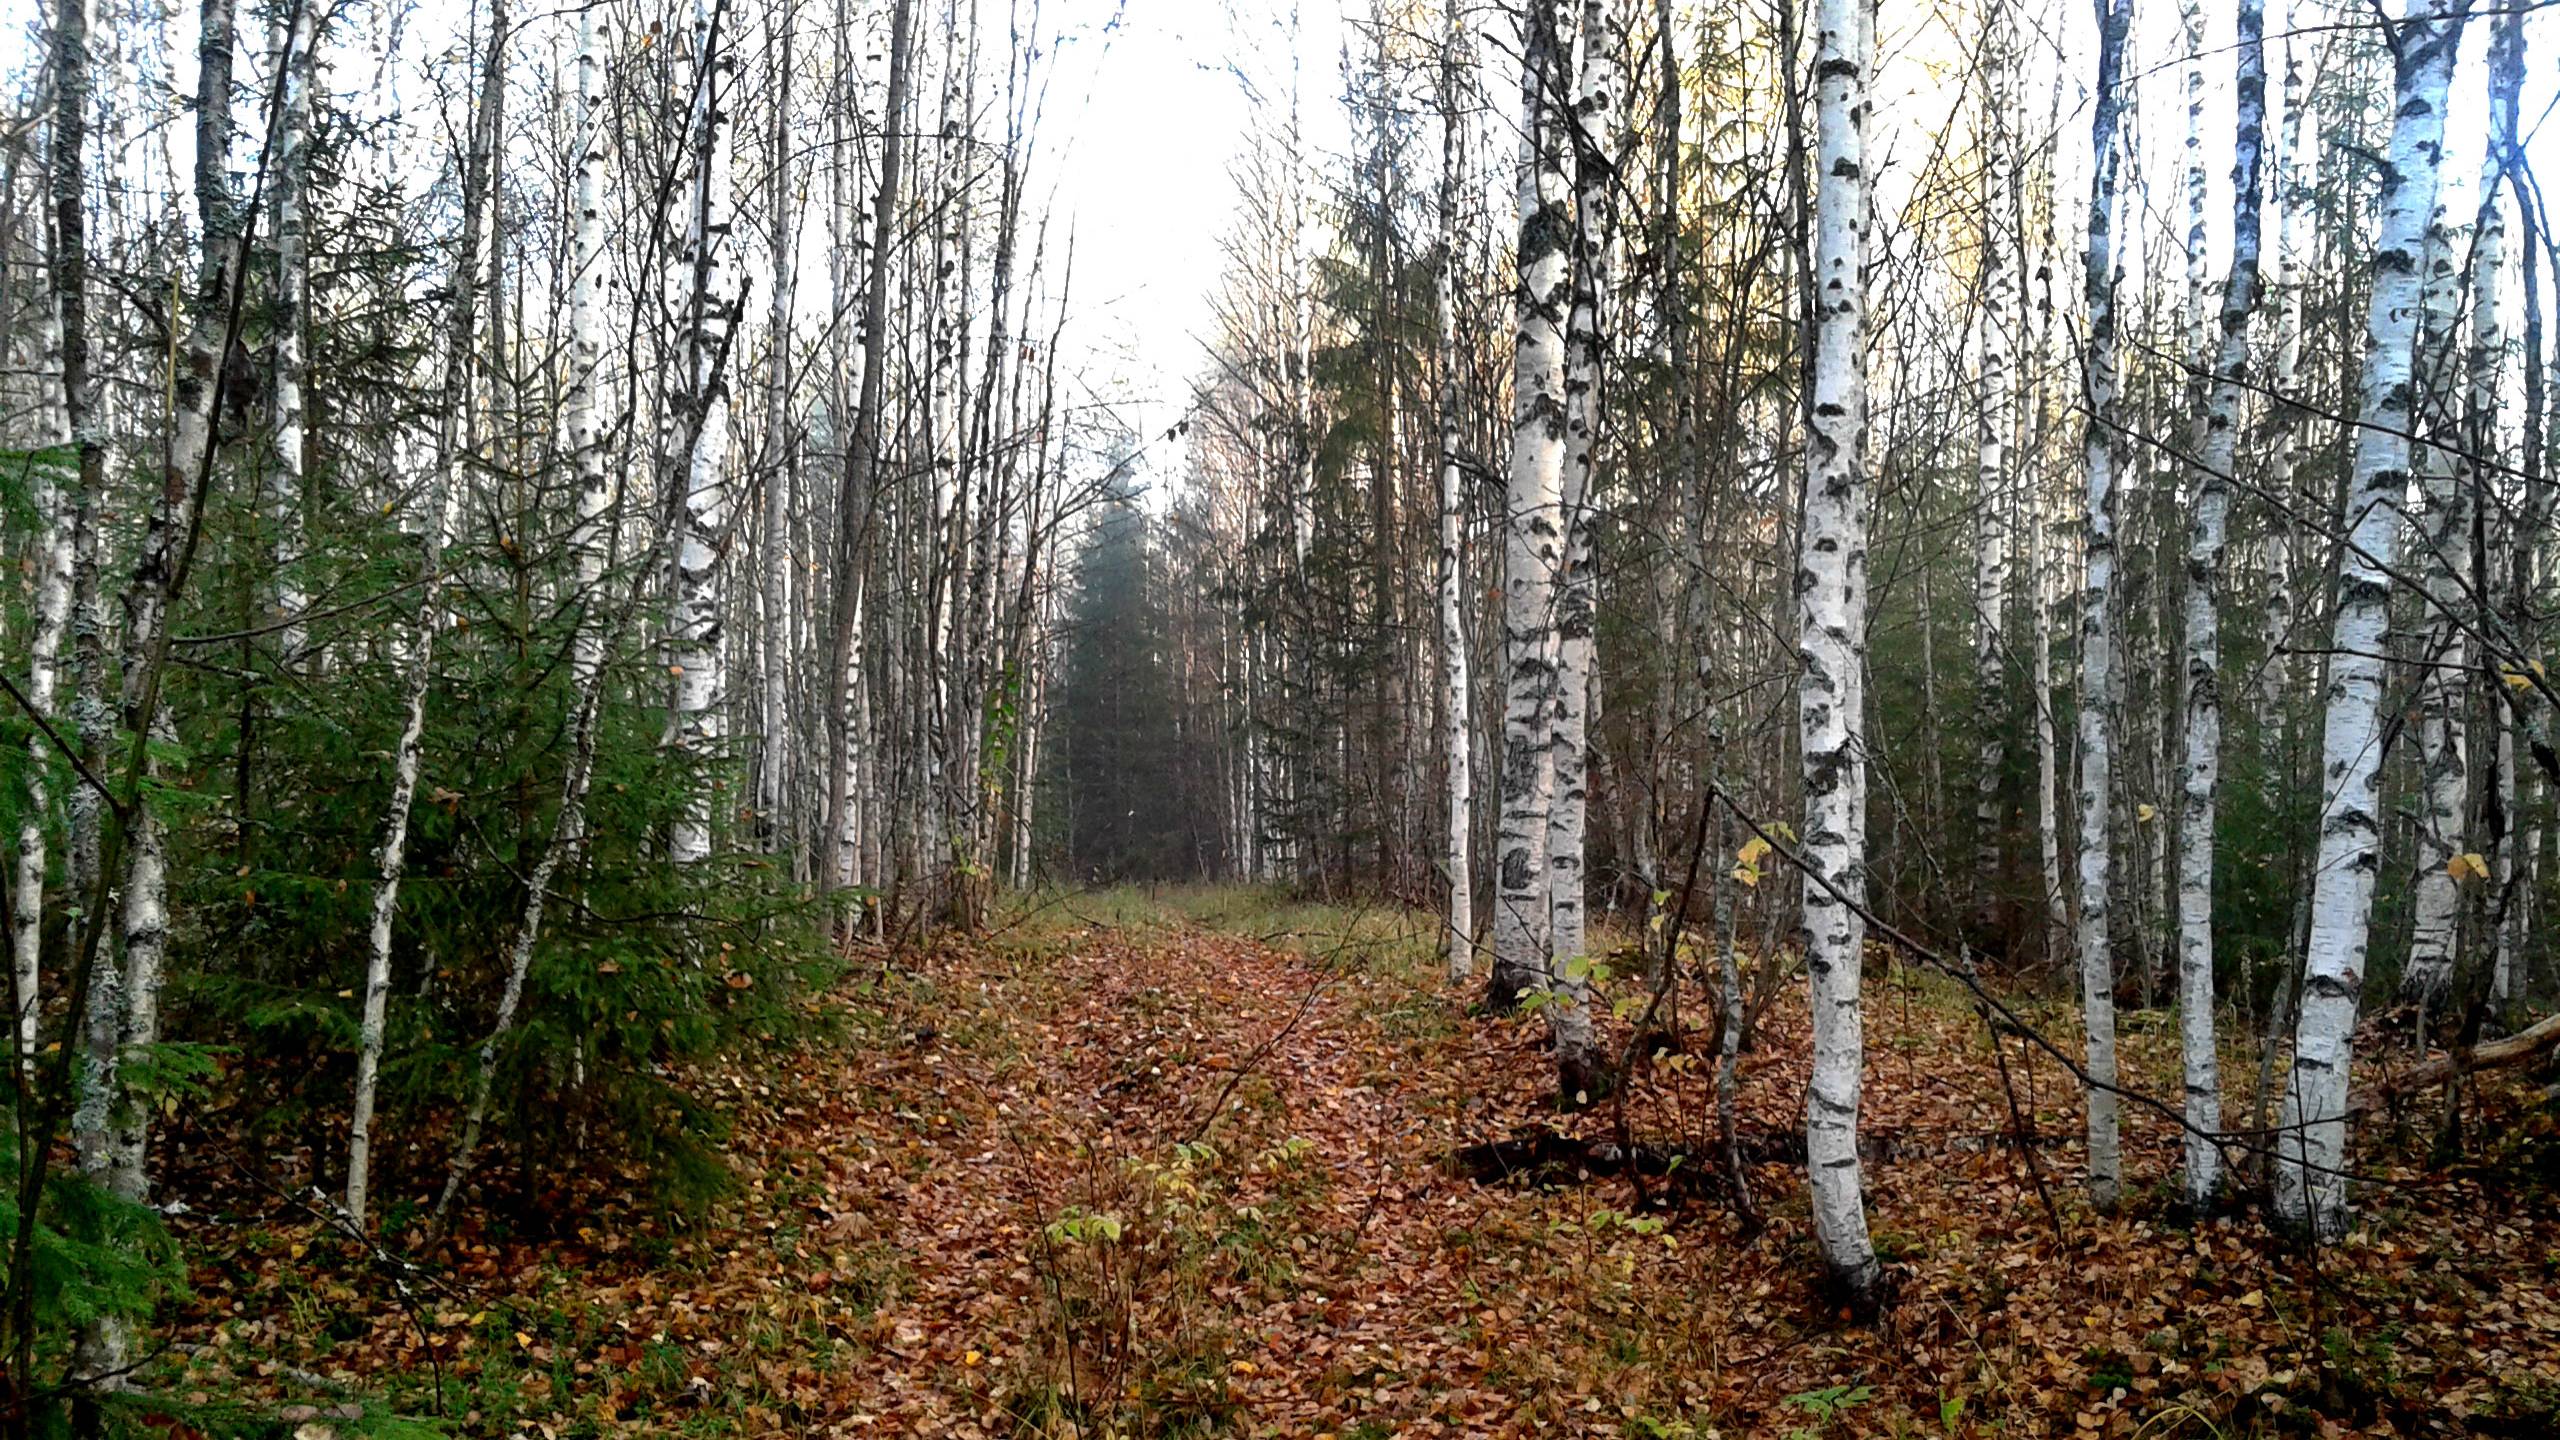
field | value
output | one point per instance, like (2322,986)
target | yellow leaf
(1746,874)
(524,1340)
(1751,851)
(2467,866)
(972,1358)
(2142,814)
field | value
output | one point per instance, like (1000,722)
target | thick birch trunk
(2311,1188)
(2218,451)
(1533,536)
(1831,594)
(2290,448)
(1595,108)
(2097,620)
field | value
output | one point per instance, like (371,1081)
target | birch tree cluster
(2058,495)
(523,525)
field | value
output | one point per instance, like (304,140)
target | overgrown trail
(1131,1173)
(1155,1178)
(1281,1249)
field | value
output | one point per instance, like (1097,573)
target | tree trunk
(434,523)
(111,1126)
(297,72)
(2445,533)
(699,659)
(1595,109)
(1831,624)
(62,486)
(1533,539)
(782,454)
(2218,449)
(2311,1189)
(862,463)
(1456,713)
(2480,444)
(1995,382)
(2097,619)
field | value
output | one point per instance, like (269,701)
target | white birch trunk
(587,440)
(2435,901)
(1831,591)
(1454,688)
(699,657)
(2311,1188)
(2044,566)
(53,491)
(848,779)
(2057,886)
(2097,620)
(111,1125)
(773,750)
(1595,108)
(2289,450)
(2487,355)
(292,199)
(434,525)
(1533,524)
(2218,451)
(1995,328)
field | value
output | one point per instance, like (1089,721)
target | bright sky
(1149,107)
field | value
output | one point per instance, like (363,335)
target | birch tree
(295,30)
(2097,613)
(1995,327)
(432,523)
(1455,692)
(111,1126)
(2485,363)
(62,484)
(2217,450)
(2310,1173)
(1533,538)
(1831,620)
(862,462)
(699,659)
(1597,98)
(2444,565)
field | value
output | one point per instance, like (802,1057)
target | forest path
(1196,1174)
(1252,1123)
(1195,1180)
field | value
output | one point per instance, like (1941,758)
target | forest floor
(1181,1166)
